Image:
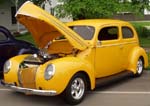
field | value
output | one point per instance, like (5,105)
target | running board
(113,78)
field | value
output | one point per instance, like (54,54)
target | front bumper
(30,91)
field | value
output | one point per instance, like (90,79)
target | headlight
(7,66)
(49,72)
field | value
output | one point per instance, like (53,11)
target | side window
(2,36)
(108,33)
(86,32)
(127,32)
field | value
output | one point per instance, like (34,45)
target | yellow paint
(57,45)
(65,69)
(12,75)
(95,58)
(45,27)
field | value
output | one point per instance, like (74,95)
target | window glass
(86,32)
(108,33)
(127,32)
(2,36)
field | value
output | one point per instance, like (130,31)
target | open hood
(45,27)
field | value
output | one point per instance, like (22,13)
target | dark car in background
(9,47)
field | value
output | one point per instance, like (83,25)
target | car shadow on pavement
(124,84)
(108,85)
(40,100)
(58,101)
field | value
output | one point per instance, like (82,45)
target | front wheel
(75,91)
(140,66)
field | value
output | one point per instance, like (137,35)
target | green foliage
(26,37)
(146,31)
(140,28)
(20,2)
(37,2)
(81,9)
(148,60)
(1,1)
(140,5)
(144,42)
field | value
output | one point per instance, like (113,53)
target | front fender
(135,54)
(65,69)
(12,75)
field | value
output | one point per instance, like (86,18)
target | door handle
(121,47)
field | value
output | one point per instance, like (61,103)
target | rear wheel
(75,91)
(139,68)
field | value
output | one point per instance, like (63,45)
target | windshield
(86,32)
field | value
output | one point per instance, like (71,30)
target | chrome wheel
(139,67)
(77,88)
(75,91)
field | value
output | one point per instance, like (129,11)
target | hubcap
(139,66)
(77,88)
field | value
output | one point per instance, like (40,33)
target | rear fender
(135,54)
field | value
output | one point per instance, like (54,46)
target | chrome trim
(30,91)
(20,69)
(19,77)
(109,45)
(6,63)
(54,70)
(77,88)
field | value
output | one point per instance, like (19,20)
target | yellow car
(74,57)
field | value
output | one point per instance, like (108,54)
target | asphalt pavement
(127,92)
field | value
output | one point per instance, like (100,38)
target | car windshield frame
(83,31)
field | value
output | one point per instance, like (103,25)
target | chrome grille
(27,77)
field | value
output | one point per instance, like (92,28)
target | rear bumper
(30,91)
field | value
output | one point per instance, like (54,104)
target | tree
(1,1)
(80,9)
(140,5)
(37,2)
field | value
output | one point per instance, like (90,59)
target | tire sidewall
(67,96)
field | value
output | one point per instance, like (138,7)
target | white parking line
(5,89)
(121,92)
(106,92)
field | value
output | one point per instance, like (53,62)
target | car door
(108,52)
(3,52)
(129,40)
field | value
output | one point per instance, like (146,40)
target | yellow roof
(96,22)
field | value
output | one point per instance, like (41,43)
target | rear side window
(127,32)
(108,33)
(2,36)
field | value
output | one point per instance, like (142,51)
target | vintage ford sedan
(74,57)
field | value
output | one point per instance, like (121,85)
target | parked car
(10,47)
(93,50)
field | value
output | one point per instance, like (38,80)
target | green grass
(148,68)
(139,26)
(140,23)
(144,42)
(26,37)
